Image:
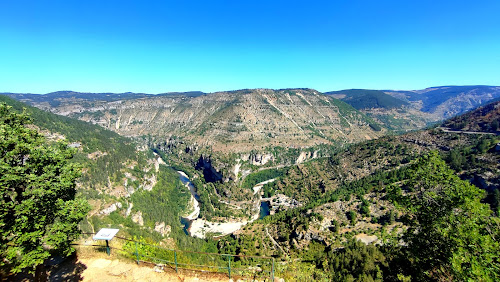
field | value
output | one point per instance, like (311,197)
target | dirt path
(114,270)
(104,268)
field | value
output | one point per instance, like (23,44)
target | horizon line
(233,90)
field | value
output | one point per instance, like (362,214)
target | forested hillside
(371,192)
(123,181)
(483,119)
(105,155)
(364,99)
(355,196)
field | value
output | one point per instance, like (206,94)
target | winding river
(198,227)
(193,202)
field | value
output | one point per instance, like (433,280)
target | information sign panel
(106,234)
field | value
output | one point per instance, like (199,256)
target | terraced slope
(234,121)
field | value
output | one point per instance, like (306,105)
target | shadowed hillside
(484,119)
(365,99)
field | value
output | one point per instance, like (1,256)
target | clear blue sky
(162,46)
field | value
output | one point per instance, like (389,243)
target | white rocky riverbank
(200,227)
(193,203)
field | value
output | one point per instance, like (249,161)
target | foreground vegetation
(450,234)
(39,213)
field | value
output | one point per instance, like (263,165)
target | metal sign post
(106,234)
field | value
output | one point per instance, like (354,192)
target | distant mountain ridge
(430,100)
(239,120)
(483,119)
(448,101)
(365,99)
(53,97)
(405,110)
(434,100)
(397,110)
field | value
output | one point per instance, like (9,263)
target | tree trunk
(40,273)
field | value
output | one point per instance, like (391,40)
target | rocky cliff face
(448,101)
(403,111)
(209,172)
(483,119)
(228,121)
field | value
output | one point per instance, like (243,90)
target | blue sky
(163,46)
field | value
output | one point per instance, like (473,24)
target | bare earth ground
(104,268)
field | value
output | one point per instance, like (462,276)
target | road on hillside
(446,129)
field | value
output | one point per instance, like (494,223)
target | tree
(496,201)
(494,125)
(39,214)
(355,262)
(351,215)
(451,234)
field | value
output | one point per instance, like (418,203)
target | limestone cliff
(235,121)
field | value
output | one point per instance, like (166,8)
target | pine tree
(451,232)
(39,214)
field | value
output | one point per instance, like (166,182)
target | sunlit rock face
(236,121)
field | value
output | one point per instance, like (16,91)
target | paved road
(445,129)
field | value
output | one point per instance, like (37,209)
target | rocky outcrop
(97,154)
(162,228)
(129,209)
(137,218)
(259,159)
(306,156)
(209,172)
(281,202)
(111,208)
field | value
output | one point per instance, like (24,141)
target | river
(198,227)
(265,209)
(185,180)
(187,220)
